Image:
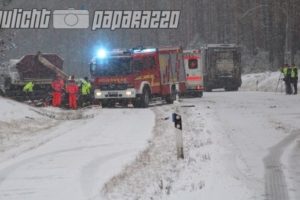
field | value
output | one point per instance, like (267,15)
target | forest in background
(267,30)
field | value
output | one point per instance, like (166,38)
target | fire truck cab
(138,75)
(194,72)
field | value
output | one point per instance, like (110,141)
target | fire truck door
(174,76)
(164,68)
(152,72)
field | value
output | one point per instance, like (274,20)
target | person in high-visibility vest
(72,90)
(286,70)
(28,90)
(57,87)
(294,78)
(85,91)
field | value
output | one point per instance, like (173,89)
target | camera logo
(71,19)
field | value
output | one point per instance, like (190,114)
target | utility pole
(287,52)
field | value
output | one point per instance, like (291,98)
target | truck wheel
(172,97)
(169,100)
(145,100)
(231,89)
(208,89)
(200,94)
(136,103)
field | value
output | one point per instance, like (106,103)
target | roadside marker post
(177,119)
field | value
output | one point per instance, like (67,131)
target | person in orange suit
(57,87)
(72,90)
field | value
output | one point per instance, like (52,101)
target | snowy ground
(237,145)
(72,159)
(265,82)
(234,146)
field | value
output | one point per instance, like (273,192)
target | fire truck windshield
(111,66)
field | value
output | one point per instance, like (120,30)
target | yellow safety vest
(284,70)
(294,72)
(28,87)
(86,88)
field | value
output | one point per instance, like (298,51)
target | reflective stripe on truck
(194,78)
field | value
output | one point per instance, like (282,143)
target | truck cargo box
(30,68)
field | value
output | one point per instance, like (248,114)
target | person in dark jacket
(294,78)
(286,70)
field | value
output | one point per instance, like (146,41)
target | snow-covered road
(254,146)
(237,145)
(260,126)
(83,155)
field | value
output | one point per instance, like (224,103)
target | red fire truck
(138,75)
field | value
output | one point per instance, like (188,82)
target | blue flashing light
(102,53)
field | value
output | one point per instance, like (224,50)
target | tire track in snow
(88,173)
(294,170)
(4,173)
(275,182)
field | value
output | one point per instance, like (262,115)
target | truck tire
(200,94)
(145,99)
(136,103)
(172,97)
(231,89)
(208,89)
(169,100)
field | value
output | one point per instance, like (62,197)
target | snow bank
(19,124)
(265,82)
(12,110)
(80,154)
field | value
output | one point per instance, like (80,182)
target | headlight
(129,93)
(98,93)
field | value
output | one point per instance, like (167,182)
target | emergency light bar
(142,50)
(120,51)
(103,53)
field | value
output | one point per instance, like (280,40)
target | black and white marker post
(177,119)
(179,139)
